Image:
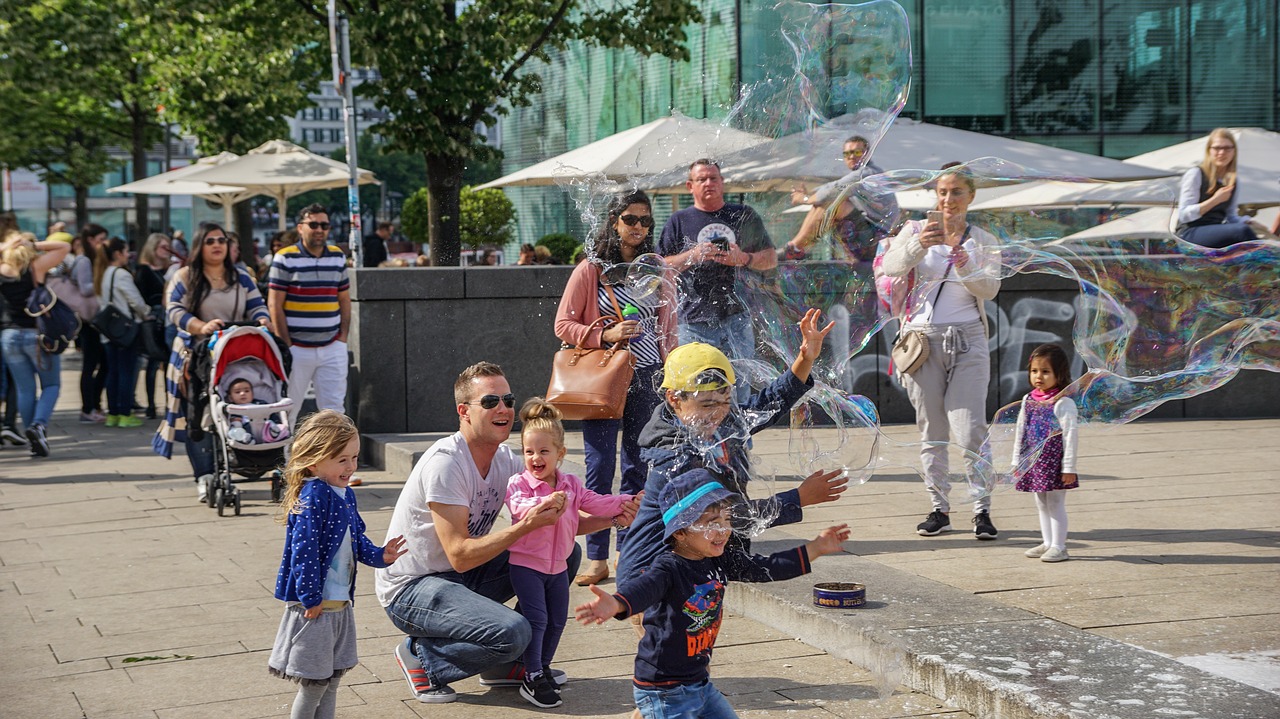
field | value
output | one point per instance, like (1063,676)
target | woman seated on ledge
(1207,198)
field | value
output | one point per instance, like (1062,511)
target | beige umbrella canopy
(281,169)
(671,142)
(1258,168)
(176,182)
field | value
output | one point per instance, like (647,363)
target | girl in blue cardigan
(316,642)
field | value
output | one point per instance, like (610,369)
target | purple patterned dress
(1040,429)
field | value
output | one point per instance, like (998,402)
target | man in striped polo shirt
(311,310)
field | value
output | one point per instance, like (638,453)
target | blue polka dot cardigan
(312,539)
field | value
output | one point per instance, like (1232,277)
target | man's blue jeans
(26,365)
(683,701)
(458,622)
(732,335)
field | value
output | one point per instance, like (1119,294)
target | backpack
(56,323)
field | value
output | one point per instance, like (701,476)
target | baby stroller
(250,439)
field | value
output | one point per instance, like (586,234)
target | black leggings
(93,372)
(154,366)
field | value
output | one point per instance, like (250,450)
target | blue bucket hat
(686,497)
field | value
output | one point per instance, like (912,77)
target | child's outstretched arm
(394,550)
(810,344)
(598,610)
(829,541)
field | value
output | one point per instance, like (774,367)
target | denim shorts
(683,701)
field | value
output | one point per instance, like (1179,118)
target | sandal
(589,577)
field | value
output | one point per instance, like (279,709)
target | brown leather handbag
(592,383)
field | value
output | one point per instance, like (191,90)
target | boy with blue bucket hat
(681,594)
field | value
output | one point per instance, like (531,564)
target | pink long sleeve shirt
(546,549)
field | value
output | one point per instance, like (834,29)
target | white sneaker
(202,486)
(1037,551)
(1055,555)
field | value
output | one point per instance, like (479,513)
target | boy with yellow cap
(699,427)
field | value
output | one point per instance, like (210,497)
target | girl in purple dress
(1046,446)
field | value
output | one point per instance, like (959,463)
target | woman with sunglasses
(626,234)
(206,294)
(1207,197)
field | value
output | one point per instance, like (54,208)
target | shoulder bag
(911,347)
(592,383)
(63,284)
(115,325)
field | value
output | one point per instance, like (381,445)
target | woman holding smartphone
(1207,197)
(947,268)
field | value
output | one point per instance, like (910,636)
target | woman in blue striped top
(626,234)
(207,294)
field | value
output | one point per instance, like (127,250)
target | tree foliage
(487,217)
(415,221)
(448,67)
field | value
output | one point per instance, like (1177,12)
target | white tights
(1053,518)
(318,701)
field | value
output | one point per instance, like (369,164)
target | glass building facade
(1108,77)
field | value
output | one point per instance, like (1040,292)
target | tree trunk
(82,205)
(142,211)
(444,184)
(242,216)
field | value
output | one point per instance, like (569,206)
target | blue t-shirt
(707,290)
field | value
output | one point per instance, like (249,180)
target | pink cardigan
(546,549)
(578,309)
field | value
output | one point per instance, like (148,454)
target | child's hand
(394,550)
(1070,479)
(627,512)
(311,612)
(544,513)
(812,337)
(822,487)
(604,607)
(828,541)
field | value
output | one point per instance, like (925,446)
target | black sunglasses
(631,220)
(490,401)
(317,225)
(219,240)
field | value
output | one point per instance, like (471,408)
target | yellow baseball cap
(697,367)
(61,237)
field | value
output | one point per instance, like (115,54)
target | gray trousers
(949,393)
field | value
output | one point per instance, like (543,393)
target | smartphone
(934,216)
(721,243)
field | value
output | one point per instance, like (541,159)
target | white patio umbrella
(281,169)
(815,157)
(671,142)
(1258,168)
(176,182)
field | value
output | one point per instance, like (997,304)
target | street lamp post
(340,51)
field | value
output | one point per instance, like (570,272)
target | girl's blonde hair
(1210,170)
(20,255)
(539,415)
(321,436)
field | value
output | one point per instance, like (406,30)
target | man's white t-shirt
(446,474)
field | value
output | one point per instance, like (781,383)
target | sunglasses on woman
(215,240)
(645,221)
(489,401)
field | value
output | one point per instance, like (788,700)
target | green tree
(562,246)
(449,67)
(488,217)
(415,218)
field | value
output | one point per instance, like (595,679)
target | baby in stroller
(240,392)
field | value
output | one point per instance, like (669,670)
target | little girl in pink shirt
(539,571)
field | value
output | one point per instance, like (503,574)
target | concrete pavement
(124,598)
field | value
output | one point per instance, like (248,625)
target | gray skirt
(314,650)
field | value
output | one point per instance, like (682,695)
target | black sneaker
(982,526)
(10,435)
(936,523)
(39,445)
(539,691)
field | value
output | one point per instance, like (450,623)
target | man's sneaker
(1037,551)
(128,420)
(511,674)
(113,420)
(982,526)
(1055,555)
(936,523)
(202,486)
(419,682)
(39,444)
(10,435)
(540,692)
